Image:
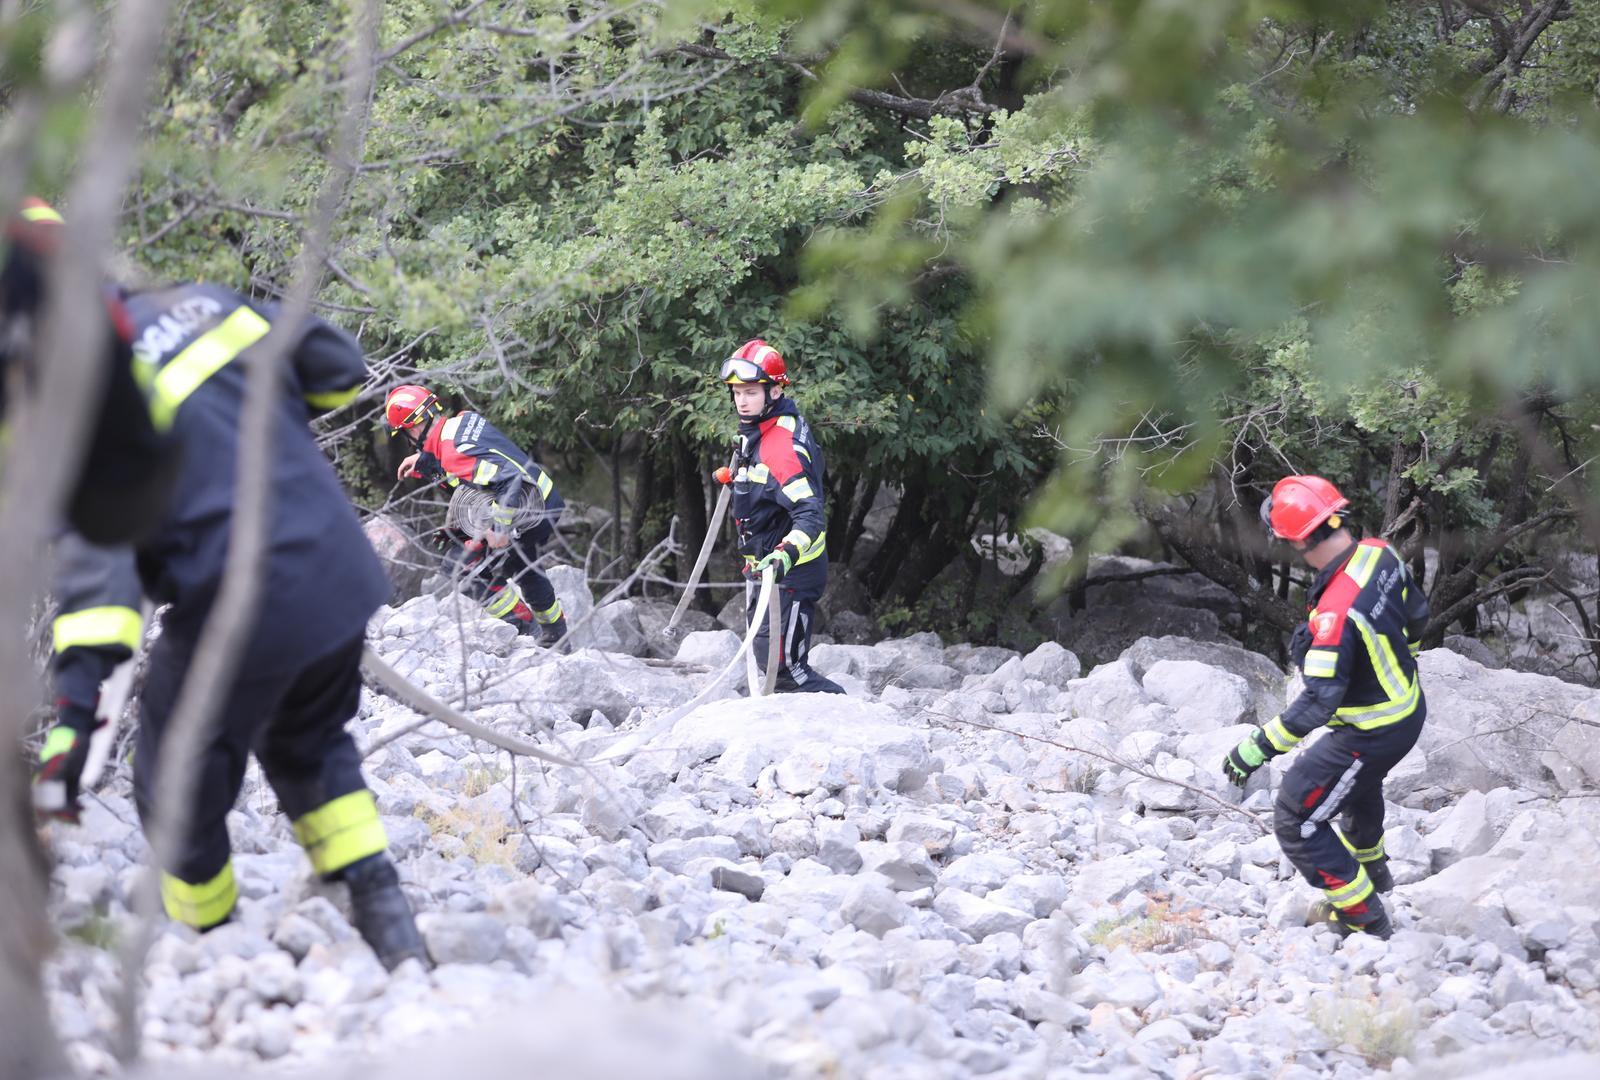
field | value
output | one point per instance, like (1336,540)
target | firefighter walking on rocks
(299,679)
(522,507)
(778,508)
(1357,653)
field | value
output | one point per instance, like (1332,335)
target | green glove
(1251,753)
(61,761)
(782,560)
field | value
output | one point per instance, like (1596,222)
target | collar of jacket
(784,406)
(1326,574)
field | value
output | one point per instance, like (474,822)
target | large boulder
(1206,697)
(577,685)
(616,628)
(572,589)
(1552,856)
(1104,632)
(1489,729)
(405,560)
(1266,681)
(755,733)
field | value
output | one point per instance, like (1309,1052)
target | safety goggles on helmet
(737,370)
(415,416)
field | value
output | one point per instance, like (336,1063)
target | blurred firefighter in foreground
(1358,655)
(777,507)
(299,678)
(519,501)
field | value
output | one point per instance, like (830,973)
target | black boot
(1372,919)
(382,914)
(550,634)
(1378,871)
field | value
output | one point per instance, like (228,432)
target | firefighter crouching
(524,507)
(1357,653)
(299,678)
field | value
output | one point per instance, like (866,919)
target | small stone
(461,938)
(871,905)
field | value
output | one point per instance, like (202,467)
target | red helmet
(409,405)
(1299,504)
(755,362)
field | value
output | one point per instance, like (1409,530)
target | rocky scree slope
(980,863)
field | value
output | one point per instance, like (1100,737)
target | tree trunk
(644,497)
(858,515)
(909,522)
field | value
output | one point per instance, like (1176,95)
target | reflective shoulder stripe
(786,423)
(341,831)
(757,474)
(200,905)
(1321,663)
(1363,564)
(798,489)
(205,356)
(98,626)
(802,451)
(1281,738)
(485,472)
(546,485)
(333,399)
(451,426)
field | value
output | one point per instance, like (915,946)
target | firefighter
(129,467)
(467,449)
(299,677)
(777,506)
(1357,652)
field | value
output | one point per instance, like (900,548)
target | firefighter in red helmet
(778,508)
(524,506)
(1357,653)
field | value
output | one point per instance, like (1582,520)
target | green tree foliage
(1161,253)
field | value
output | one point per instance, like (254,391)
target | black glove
(1299,645)
(61,761)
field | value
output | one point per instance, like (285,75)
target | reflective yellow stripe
(485,472)
(799,539)
(328,400)
(1363,563)
(802,451)
(786,423)
(798,489)
(501,603)
(61,740)
(546,485)
(1367,717)
(205,356)
(342,831)
(1384,662)
(757,474)
(1413,647)
(1322,663)
(549,614)
(41,213)
(98,626)
(500,514)
(1352,894)
(818,548)
(201,905)
(1282,739)
(450,427)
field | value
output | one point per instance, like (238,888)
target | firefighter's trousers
(1339,779)
(294,723)
(796,597)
